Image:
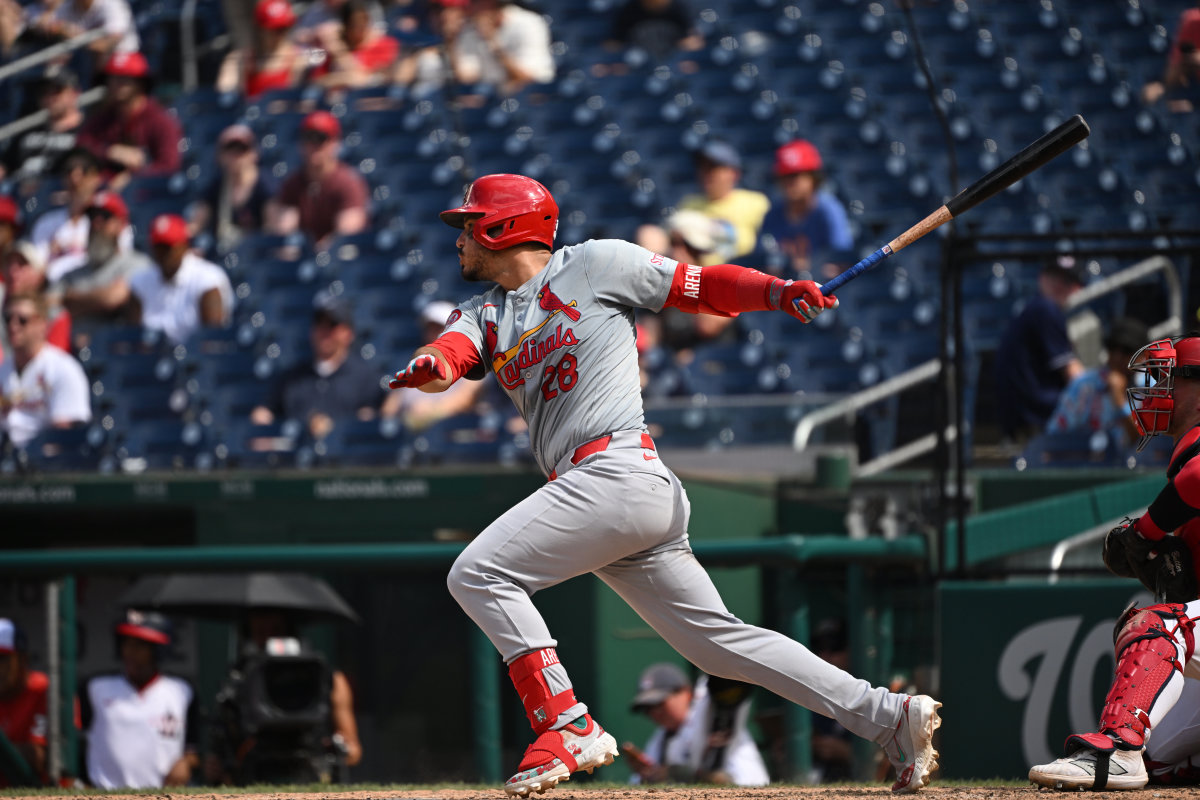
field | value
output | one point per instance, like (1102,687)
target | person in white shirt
(484,41)
(699,738)
(141,724)
(40,386)
(70,18)
(62,233)
(185,292)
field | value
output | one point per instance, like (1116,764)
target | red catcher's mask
(1155,368)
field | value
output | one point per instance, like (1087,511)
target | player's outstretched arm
(428,371)
(727,290)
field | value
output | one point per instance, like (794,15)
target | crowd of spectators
(92,257)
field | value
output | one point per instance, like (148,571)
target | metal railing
(1173,324)
(1090,536)
(848,406)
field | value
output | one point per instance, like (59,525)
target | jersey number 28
(563,374)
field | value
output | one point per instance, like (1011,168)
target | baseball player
(558,332)
(140,723)
(1155,645)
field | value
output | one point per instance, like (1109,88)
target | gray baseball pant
(622,514)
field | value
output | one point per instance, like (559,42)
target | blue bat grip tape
(837,281)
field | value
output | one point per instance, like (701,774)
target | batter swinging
(558,332)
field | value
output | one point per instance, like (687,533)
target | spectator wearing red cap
(325,197)
(98,291)
(809,227)
(185,292)
(22,704)
(62,233)
(131,131)
(73,17)
(356,54)
(272,61)
(234,203)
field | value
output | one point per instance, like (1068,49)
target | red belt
(599,446)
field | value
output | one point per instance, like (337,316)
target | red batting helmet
(1155,368)
(508,210)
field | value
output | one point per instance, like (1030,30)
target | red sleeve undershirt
(723,290)
(460,353)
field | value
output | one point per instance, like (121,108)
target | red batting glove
(420,371)
(802,299)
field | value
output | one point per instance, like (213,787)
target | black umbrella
(231,595)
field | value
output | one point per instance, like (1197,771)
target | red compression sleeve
(723,290)
(459,351)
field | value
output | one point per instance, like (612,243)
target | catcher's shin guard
(1152,646)
(544,687)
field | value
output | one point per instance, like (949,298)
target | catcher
(1155,646)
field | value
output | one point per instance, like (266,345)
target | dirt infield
(777,792)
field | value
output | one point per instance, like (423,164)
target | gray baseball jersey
(563,345)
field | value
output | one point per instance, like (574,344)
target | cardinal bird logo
(491,338)
(548,301)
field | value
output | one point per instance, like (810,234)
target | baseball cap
(8,211)
(168,229)
(1068,267)
(322,122)
(127,65)
(437,312)
(111,203)
(720,152)
(797,156)
(273,14)
(31,253)
(657,683)
(335,306)
(58,76)
(12,638)
(239,132)
(696,228)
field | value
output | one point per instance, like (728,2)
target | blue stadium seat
(165,445)
(83,448)
(352,442)
(281,444)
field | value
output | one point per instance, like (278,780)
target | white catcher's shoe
(911,747)
(581,745)
(1078,771)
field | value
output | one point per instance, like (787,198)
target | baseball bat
(1034,156)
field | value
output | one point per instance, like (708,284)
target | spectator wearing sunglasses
(325,197)
(235,202)
(40,386)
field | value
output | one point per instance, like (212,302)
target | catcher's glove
(1164,566)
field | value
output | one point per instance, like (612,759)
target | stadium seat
(164,445)
(83,448)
